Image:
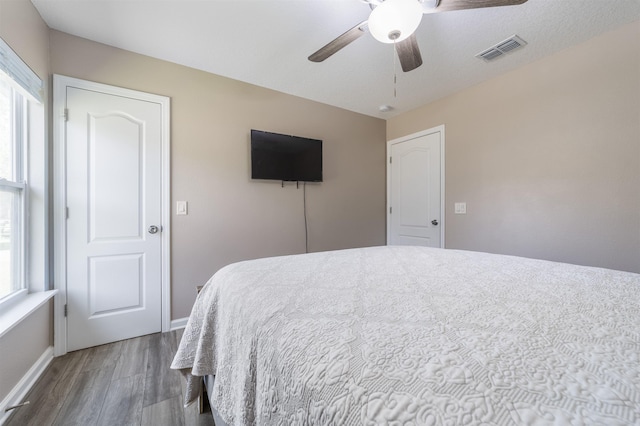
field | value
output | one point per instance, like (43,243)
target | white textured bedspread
(417,336)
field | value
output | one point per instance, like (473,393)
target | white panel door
(114,198)
(415,191)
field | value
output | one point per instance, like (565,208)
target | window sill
(21,309)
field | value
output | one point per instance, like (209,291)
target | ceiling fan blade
(339,42)
(447,5)
(409,53)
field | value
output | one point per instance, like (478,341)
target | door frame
(437,129)
(60,84)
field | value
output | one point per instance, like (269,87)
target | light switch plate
(460,208)
(181,208)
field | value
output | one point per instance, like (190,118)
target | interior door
(414,186)
(114,199)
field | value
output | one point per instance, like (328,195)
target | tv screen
(282,157)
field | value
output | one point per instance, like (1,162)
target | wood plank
(123,383)
(133,358)
(84,403)
(103,356)
(123,402)
(167,412)
(50,391)
(162,382)
(178,335)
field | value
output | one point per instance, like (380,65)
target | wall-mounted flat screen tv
(285,158)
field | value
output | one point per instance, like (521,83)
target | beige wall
(22,346)
(232,218)
(22,28)
(547,157)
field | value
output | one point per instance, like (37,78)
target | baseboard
(179,323)
(25,384)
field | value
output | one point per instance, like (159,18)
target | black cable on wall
(306,228)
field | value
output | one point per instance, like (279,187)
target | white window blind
(19,72)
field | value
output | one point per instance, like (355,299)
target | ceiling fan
(395,21)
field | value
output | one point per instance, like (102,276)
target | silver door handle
(153,229)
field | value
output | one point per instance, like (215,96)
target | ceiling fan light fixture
(395,20)
(429,6)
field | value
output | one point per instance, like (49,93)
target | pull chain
(393,35)
(395,76)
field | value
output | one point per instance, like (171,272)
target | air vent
(506,46)
(490,54)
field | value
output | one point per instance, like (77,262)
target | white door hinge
(66,114)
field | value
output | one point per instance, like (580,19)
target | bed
(415,336)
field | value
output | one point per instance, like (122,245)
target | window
(12,188)
(21,120)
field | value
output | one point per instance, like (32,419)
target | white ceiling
(267,42)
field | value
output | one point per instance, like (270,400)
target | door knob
(434,222)
(153,229)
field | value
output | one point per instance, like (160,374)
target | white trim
(19,72)
(436,129)
(13,185)
(179,323)
(21,307)
(166,214)
(16,186)
(60,84)
(37,200)
(59,216)
(25,384)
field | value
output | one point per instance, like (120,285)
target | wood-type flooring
(122,383)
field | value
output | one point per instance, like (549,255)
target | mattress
(413,335)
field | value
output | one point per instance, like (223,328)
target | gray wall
(547,157)
(232,218)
